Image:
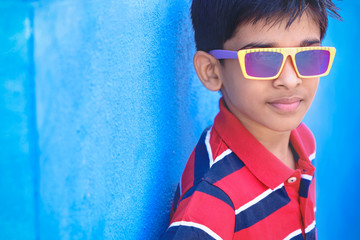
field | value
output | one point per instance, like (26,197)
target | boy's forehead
(275,33)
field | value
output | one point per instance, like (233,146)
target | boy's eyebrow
(257,45)
(310,42)
(304,43)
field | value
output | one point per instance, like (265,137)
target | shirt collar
(260,161)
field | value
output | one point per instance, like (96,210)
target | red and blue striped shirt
(234,188)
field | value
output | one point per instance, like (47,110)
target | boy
(250,175)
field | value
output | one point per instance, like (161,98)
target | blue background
(100,108)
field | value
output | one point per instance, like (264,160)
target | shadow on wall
(18,137)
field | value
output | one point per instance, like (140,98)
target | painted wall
(18,137)
(119,110)
(100,108)
(334,120)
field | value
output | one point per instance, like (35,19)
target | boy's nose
(288,77)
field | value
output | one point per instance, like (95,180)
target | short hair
(215,21)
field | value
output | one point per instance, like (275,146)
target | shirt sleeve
(204,212)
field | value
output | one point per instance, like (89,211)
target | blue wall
(100,108)
(18,137)
(334,119)
(119,109)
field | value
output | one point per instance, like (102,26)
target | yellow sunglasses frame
(285,52)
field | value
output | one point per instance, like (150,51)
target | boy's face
(278,105)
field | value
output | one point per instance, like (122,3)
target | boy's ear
(208,70)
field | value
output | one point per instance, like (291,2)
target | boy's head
(216,21)
(276,104)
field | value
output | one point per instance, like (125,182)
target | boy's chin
(285,126)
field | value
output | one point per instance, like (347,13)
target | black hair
(215,21)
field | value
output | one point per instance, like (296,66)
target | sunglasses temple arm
(223,54)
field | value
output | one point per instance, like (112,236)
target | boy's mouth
(286,104)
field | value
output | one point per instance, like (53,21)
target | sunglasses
(267,63)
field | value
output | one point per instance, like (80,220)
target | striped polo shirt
(234,188)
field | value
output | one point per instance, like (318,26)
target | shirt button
(292,180)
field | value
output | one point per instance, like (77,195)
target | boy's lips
(286,104)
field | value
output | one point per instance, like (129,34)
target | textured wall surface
(18,140)
(119,111)
(334,119)
(100,108)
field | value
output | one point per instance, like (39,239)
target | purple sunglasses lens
(312,62)
(263,64)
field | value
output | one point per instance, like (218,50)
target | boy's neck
(276,142)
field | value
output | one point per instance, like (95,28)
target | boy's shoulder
(213,161)
(230,179)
